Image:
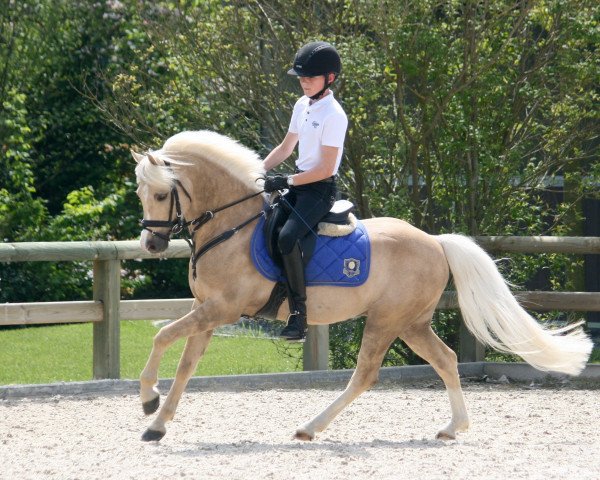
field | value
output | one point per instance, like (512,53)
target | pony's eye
(161,196)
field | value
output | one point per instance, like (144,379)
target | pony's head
(158,193)
(165,179)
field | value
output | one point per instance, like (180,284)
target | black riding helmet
(314,59)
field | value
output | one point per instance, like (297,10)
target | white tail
(493,315)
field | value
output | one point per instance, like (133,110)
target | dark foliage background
(472,117)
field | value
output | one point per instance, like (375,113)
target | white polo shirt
(323,123)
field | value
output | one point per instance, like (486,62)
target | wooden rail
(107,309)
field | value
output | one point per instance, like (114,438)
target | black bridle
(179,223)
(175,225)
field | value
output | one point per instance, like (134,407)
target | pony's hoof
(152,435)
(442,435)
(304,436)
(151,406)
(450,430)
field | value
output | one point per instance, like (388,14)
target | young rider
(319,126)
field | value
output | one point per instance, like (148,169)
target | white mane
(187,148)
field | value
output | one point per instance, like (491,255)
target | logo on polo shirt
(315,124)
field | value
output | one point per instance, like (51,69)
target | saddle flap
(339,212)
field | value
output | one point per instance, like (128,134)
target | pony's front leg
(194,349)
(202,318)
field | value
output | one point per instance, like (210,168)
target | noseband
(179,223)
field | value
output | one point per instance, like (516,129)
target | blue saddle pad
(340,261)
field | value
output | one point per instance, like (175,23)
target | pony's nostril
(151,247)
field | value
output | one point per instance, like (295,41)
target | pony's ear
(138,157)
(152,160)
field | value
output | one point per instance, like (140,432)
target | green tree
(468,108)
(58,152)
(462,114)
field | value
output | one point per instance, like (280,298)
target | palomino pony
(215,181)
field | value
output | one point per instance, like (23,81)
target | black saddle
(339,213)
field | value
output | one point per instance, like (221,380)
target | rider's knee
(286,242)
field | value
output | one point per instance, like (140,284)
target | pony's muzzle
(153,243)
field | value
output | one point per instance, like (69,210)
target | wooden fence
(106,309)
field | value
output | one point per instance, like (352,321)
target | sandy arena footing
(519,430)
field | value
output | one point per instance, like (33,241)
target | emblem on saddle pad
(351,267)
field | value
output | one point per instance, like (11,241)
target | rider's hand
(275,182)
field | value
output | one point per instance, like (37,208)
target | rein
(178,224)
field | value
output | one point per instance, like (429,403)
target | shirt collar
(322,102)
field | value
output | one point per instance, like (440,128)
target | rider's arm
(281,151)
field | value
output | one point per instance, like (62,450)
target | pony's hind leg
(375,344)
(194,349)
(425,343)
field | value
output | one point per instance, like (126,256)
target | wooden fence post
(316,348)
(470,349)
(107,289)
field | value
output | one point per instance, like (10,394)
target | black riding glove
(275,182)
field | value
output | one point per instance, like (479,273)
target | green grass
(64,353)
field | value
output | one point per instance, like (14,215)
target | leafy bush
(461,116)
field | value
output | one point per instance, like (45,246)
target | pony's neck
(211,187)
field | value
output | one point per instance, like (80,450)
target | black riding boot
(294,272)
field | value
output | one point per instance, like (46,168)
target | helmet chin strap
(326,85)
